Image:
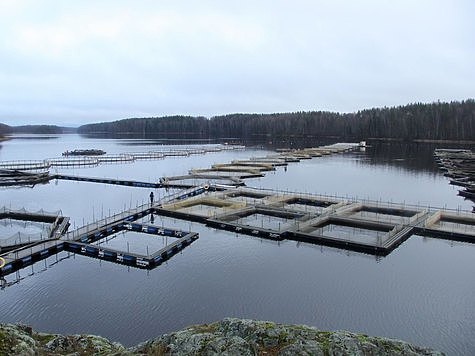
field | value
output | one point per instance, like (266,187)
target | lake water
(423,292)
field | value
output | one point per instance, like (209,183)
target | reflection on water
(264,221)
(134,242)
(412,157)
(34,137)
(148,138)
(373,237)
(424,292)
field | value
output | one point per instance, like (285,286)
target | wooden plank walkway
(108,222)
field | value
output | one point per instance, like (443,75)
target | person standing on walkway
(151,198)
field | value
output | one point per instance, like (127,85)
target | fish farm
(219,198)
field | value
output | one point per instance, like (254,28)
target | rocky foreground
(227,337)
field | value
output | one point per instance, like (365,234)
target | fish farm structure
(218,197)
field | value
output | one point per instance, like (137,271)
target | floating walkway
(194,180)
(129,183)
(81,241)
(256,167)
(178,182)
(227,172)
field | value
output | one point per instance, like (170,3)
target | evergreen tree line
(32,129)
(435,121)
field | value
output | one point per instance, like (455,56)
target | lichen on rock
(16,340)
(229,336)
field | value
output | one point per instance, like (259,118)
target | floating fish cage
(452,224)
(51,225)
(198,208)
(81,161)
(248,197)
(335,232)
(25,165)
(147,155)
(384,214)
(120,158)
(107,246)
(257,221)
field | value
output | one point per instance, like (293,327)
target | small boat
(90,152)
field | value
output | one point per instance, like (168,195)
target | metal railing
(111,158)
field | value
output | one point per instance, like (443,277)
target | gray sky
(75,62)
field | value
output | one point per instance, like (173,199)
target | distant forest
(33,129)
(454,121)
(436,121)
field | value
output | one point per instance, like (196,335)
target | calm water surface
(423,292)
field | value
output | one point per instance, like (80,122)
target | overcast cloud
(75,62)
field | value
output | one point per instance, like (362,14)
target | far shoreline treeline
(35,129)
(454,121)
(440,121)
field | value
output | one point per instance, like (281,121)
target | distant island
(440,121)
(35,129)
